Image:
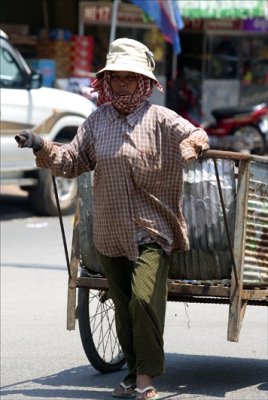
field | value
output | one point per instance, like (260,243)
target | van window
(10,73)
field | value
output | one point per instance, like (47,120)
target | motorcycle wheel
(255,142)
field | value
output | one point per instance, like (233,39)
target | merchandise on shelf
(81,55)
(48,70)
(72,53)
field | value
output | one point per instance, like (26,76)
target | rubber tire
(96,360)
(42,198)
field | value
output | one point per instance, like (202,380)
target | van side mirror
(35,81)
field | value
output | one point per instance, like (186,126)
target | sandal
(124,391)
(143,393)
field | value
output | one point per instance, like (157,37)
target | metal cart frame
(234,293)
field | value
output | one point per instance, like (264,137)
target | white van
(55,114)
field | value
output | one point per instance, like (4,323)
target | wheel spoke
(102,325)
(97,330)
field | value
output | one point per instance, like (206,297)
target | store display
(81,55)
(72,53)
(48,70)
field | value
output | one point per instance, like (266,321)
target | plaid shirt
(138,180)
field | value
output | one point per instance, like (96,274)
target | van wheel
(42,197)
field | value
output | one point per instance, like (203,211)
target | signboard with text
(255,25)
(223,9)
(100,13)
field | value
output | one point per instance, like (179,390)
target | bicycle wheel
(97,330)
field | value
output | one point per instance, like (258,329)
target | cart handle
(61,226)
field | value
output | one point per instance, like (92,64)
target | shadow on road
(14,206)
(187,376)
(212,375)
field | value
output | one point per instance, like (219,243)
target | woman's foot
(149,392)
(145,389)
(124,391)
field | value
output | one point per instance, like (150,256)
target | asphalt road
(40,359)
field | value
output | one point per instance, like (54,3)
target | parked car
(54,114)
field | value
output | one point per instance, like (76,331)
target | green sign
(241,9)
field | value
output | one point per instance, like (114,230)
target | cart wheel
(97,330)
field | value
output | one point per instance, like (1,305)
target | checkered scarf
(127,103)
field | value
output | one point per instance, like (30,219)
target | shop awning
(241,9)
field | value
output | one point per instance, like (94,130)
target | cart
(226,209)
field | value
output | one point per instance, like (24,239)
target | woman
(137,151)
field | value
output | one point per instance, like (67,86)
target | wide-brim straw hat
(129,55)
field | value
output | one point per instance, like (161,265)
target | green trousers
(139,292)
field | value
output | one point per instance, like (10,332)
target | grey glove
(27,138)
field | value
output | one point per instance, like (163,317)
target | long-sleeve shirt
(138,163)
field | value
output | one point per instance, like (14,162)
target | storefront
(223,63)
(223,60)
(95,20)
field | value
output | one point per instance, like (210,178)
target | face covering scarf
(127,103)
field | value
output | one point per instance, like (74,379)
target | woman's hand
(27,138)
(194,145)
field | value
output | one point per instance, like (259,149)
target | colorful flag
(166,15)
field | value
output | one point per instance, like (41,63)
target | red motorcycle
(242,128)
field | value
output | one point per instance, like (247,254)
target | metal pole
(62,227)
(174,66)
(114,20)
(81,27)
(46,19)
(225,222)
